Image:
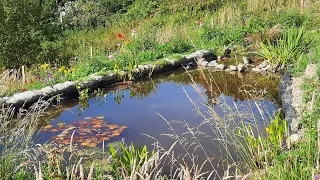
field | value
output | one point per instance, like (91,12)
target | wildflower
(25,81)
(118,44)
(44,66)
(62,68)
(317,177)
(201,22)
(73,69)
(24,89)
(42,80)
(133,31)
(135,89)
(120,36)
(66,71)
(36,77)
(49,76)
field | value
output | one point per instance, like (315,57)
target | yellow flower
(62,68)
(44,66)
(73,69)
(66,71)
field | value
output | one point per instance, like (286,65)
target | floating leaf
(44,130)
(60,124)
(48,126)
(100,117)
(104,138)
(54,130)
(84,143)
(96,126)
(92,145)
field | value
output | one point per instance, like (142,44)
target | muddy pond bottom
(132,112)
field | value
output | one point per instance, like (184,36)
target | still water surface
(137,106)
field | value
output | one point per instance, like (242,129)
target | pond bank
(204,58)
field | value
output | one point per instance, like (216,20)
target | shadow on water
(135,105)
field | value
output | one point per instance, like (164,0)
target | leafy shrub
(24,25)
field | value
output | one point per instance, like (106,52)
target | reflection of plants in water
(118,96)
(141,90)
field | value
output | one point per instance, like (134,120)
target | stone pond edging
(285,94)
(204,58)
(94,80)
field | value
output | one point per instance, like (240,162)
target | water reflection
(133,105)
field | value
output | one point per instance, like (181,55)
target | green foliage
(24,25)
(276,132)
(123,162)
(286,49)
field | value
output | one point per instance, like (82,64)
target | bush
(25,24)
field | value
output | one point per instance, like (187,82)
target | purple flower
(49,76)
(317,177)
(42,80)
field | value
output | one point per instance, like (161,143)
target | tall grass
(17,129)
(286,49)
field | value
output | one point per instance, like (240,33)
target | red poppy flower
(120,36)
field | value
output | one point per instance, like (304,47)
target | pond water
(135,107)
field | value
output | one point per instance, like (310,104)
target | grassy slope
(172,26)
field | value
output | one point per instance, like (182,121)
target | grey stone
(200,61)
(241,67)
(141,68)
(221,66)
(294,138)
(233,68)
(264,69)
(67,86)
(228,70)
(3,100)
(246,60)
(190,57)
(262,65)
(239,75)
(24,97)
(213,64)
(256,70)
(49,90)
(204,63)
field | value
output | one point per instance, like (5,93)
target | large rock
(141,68)
(233,68)
(241,67)
(294,139)
(262,65)
(221,66)
(256,70)
(25,97)
(204,63)
(246,60)
(68,86)
(49,91)
(213,64)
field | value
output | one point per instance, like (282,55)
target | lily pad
(48,126)
(100,117)
(54,130)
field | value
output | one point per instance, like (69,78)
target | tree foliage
(25,25)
